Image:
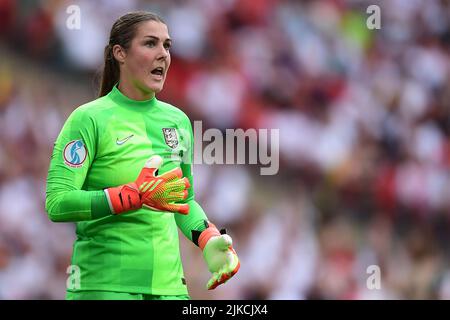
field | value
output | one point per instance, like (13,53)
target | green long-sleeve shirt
(105,143)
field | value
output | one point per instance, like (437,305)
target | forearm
(76,205)
(194,221)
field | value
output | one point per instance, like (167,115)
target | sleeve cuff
(99,205)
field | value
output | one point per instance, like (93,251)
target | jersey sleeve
(72,156)
(193,222)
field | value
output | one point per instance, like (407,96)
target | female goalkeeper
(121,169)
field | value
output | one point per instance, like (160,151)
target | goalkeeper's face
(148,58)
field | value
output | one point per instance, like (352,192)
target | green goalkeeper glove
(219,255)
(155,192)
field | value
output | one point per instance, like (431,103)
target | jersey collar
(124,101)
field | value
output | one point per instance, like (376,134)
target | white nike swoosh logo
(120,142)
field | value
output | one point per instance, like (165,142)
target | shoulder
(91,109)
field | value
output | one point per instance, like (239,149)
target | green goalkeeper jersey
(105,143)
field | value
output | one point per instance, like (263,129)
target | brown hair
(122,32)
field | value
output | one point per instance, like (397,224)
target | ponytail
(111,72)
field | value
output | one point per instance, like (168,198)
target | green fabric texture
(105,143)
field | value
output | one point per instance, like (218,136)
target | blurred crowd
(364,120)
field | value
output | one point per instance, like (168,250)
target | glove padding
(161,192)
(155,192)
(219,255)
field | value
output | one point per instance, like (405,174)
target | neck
(133,91)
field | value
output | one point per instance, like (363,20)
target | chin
(156,88)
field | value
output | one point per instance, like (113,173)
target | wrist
(207,234)
(123,198)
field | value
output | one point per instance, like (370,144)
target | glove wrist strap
(209,232)
(123,198)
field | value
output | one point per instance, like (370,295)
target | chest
(124,147)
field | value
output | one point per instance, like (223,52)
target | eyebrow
(156,38)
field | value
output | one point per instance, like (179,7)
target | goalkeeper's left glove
(219,255)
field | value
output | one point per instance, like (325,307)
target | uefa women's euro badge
(75,153)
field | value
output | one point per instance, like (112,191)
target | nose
(163,54)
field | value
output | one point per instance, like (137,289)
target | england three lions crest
(170,136)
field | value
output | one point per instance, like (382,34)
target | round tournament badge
(75,153)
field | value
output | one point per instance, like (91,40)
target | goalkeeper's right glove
(155,192)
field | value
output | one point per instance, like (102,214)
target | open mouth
(158,71)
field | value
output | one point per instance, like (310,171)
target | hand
(219,255)
(155,192)
(161,192)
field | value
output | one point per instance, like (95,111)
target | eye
(167,45)
(150,43)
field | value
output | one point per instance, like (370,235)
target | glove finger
(219,278)
(213,282)
(171,175)
(177,185)
(182,208)
(187,184)
(177,196)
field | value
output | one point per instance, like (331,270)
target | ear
(119,53)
